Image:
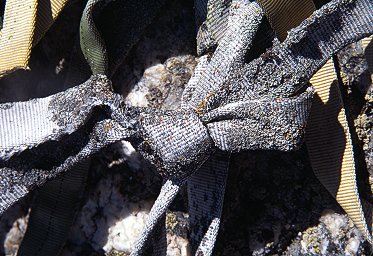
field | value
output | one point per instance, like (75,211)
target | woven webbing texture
(228,105)
(24,24)
(109,29)
(52,214)
(93,48)
(330,147)
(284,15)
(205,201)
(368,46)
(303,52)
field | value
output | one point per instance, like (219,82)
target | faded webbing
(53,212)
(330,147)
(42,128)
(82,120)
(284,15)
(201,69)
(303,52)
(24,23)
(214,25)
(56,203)
(206,187)
(206,190)
(328,137)
(367,44)
(111,28)
(169,190)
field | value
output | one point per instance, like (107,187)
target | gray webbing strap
(304,51)
(26,170)
(213,28)
(229,115)
(207,186)
(53,212)
(168,192)
(47,235)
(159,237)
(205,200)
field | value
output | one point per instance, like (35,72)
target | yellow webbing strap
(329,145)
(328,137)
(24,23)
(367,44)
(286,14)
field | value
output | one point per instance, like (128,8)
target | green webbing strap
(93,47)
(109,29)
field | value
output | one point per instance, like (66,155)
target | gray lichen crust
(219,110)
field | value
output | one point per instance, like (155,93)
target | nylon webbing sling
(368,42)
(53,211)
(24,23)
(330,147)
(284,15)
(247,106)
(56,203)
(328,138)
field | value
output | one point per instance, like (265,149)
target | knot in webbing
(228,105)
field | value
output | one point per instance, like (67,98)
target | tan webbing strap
(330,147)
(286,14)
(367,44)
(46,14)
(328,137)
(24,23)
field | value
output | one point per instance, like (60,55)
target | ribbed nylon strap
(24,24)
(329,144)
(169,190)
(330,148)
(368,46)
(16,35)
(53,212)
(47,12)
(328,136)
(205,201)
(286,14)
(56,203)
(93,47)
(175,137)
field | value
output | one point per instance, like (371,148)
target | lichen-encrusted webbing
(160,135)
(328,134)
